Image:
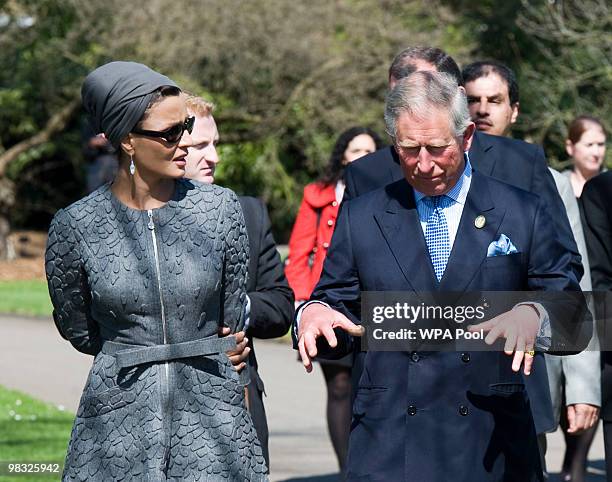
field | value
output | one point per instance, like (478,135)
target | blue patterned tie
(436,234)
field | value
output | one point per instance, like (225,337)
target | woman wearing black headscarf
(143,273)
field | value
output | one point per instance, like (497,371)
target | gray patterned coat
(145,292)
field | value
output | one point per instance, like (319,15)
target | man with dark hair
(492,95)
(413,59)
(515,162)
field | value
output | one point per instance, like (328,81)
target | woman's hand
(239,354)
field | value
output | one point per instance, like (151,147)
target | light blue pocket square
(501,247)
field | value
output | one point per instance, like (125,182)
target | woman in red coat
(310,238)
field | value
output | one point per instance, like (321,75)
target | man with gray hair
(439,416)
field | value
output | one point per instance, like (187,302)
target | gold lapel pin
(480,221)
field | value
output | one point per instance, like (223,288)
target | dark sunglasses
(171,135)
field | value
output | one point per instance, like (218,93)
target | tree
(46,47)
(573,74)
(288,77)
(561,51)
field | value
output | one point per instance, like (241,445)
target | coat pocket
(506,389)
(369,402)
(504,272)
(513,260)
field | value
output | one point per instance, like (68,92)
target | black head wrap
(116,96)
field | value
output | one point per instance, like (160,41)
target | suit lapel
(401,228)
(471,243)
(482,154)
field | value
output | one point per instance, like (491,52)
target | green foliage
(31,430)
(46,48)
(34,154)
(560,51)
(29,297)
(295,75)
(12,106)
(253,169)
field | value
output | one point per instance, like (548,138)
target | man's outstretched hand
(519,328)
(318,320)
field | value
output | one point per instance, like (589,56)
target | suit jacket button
(334,203)
(414,356)
(412,410)
(330,222)
(463,410)
(326,245)
(465,357)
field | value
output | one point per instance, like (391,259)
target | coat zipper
(166,382)
(151,226)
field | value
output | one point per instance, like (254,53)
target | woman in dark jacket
(142,274)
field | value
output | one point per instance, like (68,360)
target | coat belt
(128,356)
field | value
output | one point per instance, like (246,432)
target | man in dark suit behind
(493,101)
(595,200)
(439,416)
(515,162)
(270,298)
(271,303)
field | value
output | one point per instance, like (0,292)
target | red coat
(306,238)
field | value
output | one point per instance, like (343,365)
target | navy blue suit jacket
(515,162)
(441,415)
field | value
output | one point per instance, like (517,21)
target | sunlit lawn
(29,297)
(32,431)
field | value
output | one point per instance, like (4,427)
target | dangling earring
(132,166)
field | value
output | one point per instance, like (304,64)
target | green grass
(29,297)
(31,431)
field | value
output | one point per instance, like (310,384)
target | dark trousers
(258,412)
(542,446)
(607,432)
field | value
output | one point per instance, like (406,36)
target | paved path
(36,360)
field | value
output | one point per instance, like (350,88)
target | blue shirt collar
(459,191)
